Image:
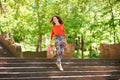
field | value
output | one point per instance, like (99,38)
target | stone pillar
(69,50)
(111,51)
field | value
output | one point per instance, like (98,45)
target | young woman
(58,33)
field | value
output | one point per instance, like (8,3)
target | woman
(58,33)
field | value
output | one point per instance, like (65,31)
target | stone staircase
(12,68)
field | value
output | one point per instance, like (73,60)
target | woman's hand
(50,42)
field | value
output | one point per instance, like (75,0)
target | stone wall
(69,51)
(9,44)
(111,51)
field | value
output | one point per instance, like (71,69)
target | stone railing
(10,45)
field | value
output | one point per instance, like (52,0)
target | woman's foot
(59,66)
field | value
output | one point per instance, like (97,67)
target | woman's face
(55,20)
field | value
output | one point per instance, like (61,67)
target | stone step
(57,73)
(42,69)
(14,59)
(12,68)
(77,77)
(64,61)
(49,64)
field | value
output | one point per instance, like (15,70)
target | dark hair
(59,20)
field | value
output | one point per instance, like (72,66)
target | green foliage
(97,20)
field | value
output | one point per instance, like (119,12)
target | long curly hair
(59,20)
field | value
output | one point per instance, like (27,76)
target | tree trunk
(39,48)
(112,22)
(90,56)
(82,46)
(1,7)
